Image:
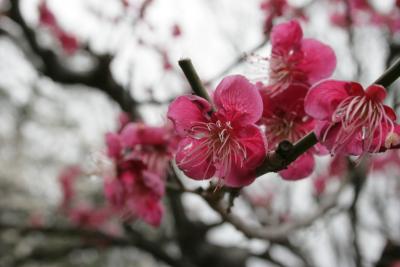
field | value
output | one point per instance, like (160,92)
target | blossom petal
(285,35)
(238,177)
(319,60)
(238,100)
(242,171)
(149,135)
(129,137)
(254,144)
(194,159)
(323,98)
(390,112)
(154,182)
(291,100)
(139,133)
(327,140)
(376,92)
(268,105)
(113,145)
(301,168)
(352,145)
(114,192)
(148,208)
(187,110)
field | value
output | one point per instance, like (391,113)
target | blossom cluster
(141,156)
(363,12)
(231,136)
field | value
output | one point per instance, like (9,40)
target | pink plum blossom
(67,180)
(153,145)
(136,193)
(351,120)
(176,31)
(46,17)
(272,9)
(125,3)
(296,60)
(362,12)
(123,120)
(225,143)
(277,8)
(284,119)
(68,42)
(138,186)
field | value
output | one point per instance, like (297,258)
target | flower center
(363,117)
(221,141)
(284,70)
(221,146)
(283,128)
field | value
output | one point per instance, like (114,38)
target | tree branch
(276,232)
(390,75)
(99,77)
(193,79)
(66,232)
(358,181)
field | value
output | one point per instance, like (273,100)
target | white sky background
(215,32)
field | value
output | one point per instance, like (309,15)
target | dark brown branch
(358,180)
(266,255)
(286,154)
(48,254)
(390,75)
(157,253)
(66,232)
(193,79)
(99,77)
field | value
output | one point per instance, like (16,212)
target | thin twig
(193,79)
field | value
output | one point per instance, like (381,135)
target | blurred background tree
(69,68)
